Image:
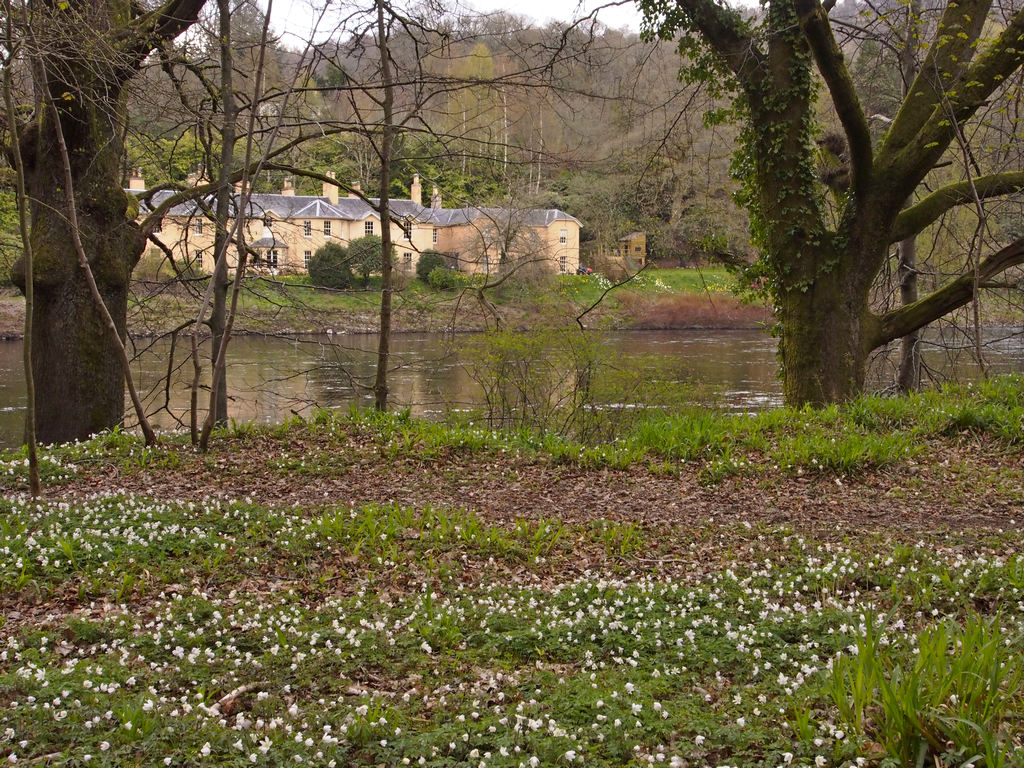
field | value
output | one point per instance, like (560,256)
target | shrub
(428,261)
(330,267)
(365,255)
(443,278)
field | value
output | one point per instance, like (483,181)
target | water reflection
(272,378)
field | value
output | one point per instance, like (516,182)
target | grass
(950,698)
(867,434)
(584,290)
(291,303)
(870,433)
(268,657)
(210,631)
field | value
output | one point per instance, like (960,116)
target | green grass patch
(775,656)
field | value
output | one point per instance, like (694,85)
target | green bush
(330,267)
(365,255)
(443,278)
(428,261)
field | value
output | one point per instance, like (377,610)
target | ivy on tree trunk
(819,270)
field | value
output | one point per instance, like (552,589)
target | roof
(357,209)
(269,242)
(633,236)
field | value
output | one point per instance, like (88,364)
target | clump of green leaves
(331,267)
(428,261)
(948,702)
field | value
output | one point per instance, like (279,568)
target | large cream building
(286,229)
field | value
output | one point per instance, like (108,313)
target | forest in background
(590,120)
(657,132)
(594,121)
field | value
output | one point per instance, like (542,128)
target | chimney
(330,190)
(288,188)
(356,189)
(435,198)
(197,177)
(135,182)
(416,190)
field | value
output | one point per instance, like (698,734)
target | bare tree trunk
(540,154)
(909,376)
(380,384)
(218,319)
(220,350)
(26,243)
(504,132)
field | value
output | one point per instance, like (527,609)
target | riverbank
(704,590)
(656,300)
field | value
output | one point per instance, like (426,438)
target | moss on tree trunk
(821,343)
(83,53)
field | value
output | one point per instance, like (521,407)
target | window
(327,229)
(307,229)
(368,227)
(408,233)
(563,237)
(563,263)
(159,226)
(199,226)
(407,260)
(198,259)
(267,221)
(306,256)
(434,241)
(637,249)
(272,258)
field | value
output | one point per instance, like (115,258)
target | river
(272,378)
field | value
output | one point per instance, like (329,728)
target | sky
(294,18)
(620,15)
